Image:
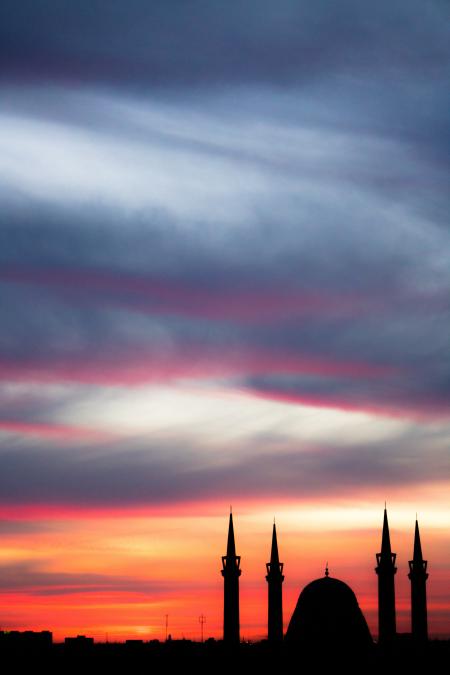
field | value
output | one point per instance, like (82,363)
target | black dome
(327,612)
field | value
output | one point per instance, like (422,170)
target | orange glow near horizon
(117,577)
(113,564)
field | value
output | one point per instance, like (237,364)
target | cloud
(205,42)
(31,577)
(96,295)
(395,393)
(25,527)
(146,474)
(51,430)
(254,198)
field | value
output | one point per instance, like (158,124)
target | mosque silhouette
(327,611)
(327,632)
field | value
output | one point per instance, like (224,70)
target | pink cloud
(423,410)
(239,304)
(50,430)
(183,361)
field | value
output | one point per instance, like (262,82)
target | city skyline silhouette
(314,596)
(327,628)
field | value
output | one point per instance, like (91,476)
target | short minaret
(275,580)
(386,570)
(231,572)
(418,576)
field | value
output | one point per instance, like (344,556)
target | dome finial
(327,573)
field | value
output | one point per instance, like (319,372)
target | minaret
(386,590)
(231,572)
(418,576)
(275,580)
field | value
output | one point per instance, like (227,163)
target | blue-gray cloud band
(184,43)
(114,475)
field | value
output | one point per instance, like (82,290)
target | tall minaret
(275,579)
(418,576)
(386,570)
(231,572)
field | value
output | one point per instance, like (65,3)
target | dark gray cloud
(272,467)
(184,43)
(425,392)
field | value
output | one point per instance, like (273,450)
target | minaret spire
(386,570)
(231,572)
(231,546)
(274,558)
(275,580)
(417,555)
(418,576)
(385,539)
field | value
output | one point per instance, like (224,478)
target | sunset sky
(224,279)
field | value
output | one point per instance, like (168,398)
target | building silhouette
(418,576)
(327,611)
(80,642)
(275,580)
(27,639)
(386,571)
(231,564)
